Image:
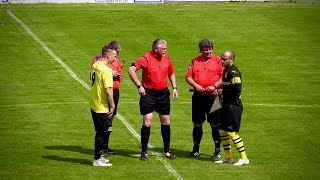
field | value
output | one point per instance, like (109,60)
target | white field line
(74,76)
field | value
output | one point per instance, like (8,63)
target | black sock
(99,143)
(107,143)
(216,138)
(145,134)
(166,133)
(197,136)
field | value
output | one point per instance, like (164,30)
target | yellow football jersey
(101,78)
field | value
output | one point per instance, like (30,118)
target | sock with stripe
(238,143)
(225,139)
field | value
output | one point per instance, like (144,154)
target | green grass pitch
(46,129)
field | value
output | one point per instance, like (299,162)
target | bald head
(229,54)
(227,58)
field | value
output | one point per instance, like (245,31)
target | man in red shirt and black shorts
(154,93)
(204,74)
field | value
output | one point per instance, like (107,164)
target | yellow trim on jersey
(236,80)
(101,78)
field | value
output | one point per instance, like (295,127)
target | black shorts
(231,118)
(101,121)
(158,101)
(201,106)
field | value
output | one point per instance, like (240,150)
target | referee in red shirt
(154,93)
(204,74)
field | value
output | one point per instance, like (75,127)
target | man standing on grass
(116,67)
(154,93)
(231,110)
(204,75)
(101,101)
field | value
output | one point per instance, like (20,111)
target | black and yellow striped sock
(238,143)
(225,139)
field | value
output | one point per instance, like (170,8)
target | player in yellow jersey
(101,101)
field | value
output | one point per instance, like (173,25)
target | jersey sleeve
(170,68)
(189,70)
(107,78)
(236,82)
(140,63)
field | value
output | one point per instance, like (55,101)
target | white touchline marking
(74,76)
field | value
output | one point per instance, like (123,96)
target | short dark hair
(106,49)
(205,43)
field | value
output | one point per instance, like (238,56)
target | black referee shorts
(158,101)
(231,118)
(116,95)
(201,106)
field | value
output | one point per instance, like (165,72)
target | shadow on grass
(119,152)
(78,149)
(183,154)
(72,160)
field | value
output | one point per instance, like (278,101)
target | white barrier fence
(78,1)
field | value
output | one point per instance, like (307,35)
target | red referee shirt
(155,72)
(205,73)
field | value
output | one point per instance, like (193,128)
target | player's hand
(110,113)
(210,89)
(142,91)
(116,74)
(199,88)
(219,91)
(175,94)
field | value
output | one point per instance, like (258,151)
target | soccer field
(46,128)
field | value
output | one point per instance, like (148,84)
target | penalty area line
(74,76)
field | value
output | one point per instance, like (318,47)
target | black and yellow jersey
(232,86)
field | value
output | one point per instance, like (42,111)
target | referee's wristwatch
(138,86)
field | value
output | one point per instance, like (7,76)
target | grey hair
(116,45)
(156,44)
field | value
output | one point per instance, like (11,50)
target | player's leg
(116,95)
(100,125)
(166,135)
(145,135)
(147,106)
(226,143)
(198,117)
(236,112)
(163,107)
(213,118)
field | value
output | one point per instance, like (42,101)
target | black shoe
(143,157)
(195,153)
(103,153)
(216,155)
(169,155)
(109,151)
